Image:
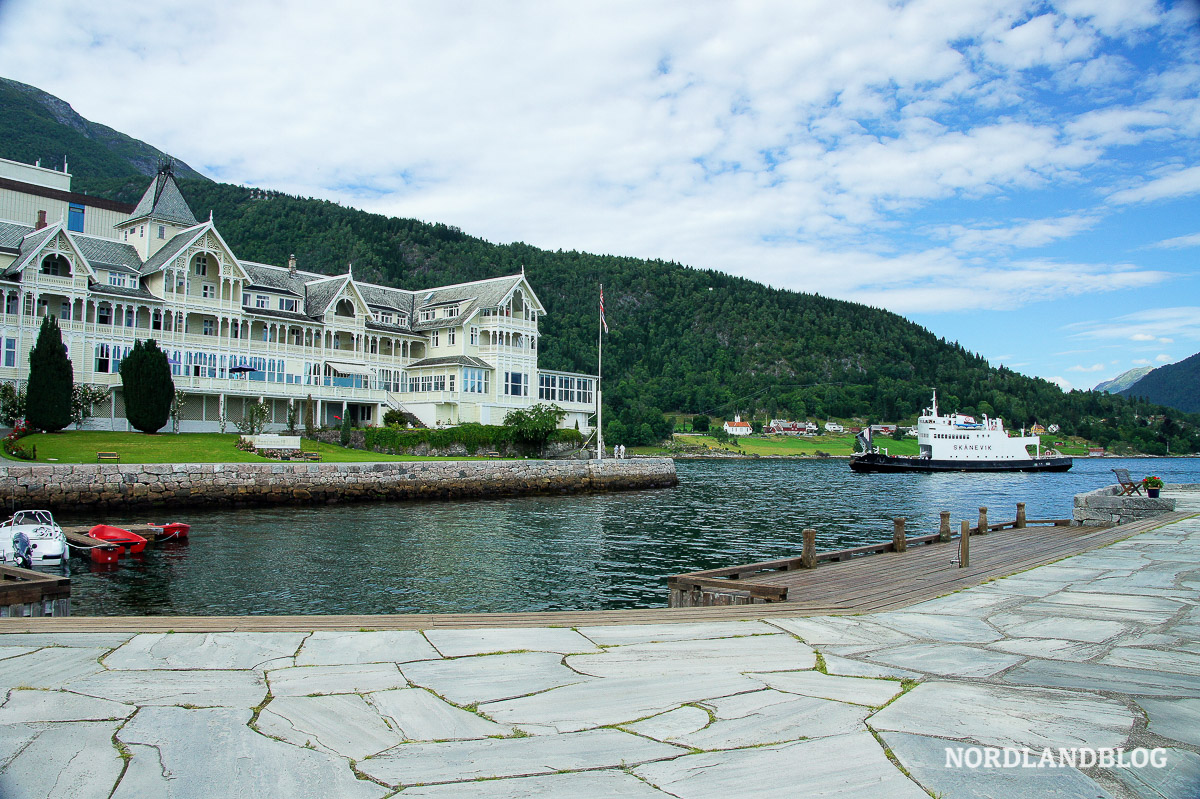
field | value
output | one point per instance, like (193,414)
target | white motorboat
(47,544)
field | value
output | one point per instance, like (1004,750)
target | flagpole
(599,375)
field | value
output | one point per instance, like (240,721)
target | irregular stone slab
(925,760)
(835,664)
(615,635)
(324,648)
(75,761)
(1174,718)
(1100,677)
(841,630)
(1139,609)
(767,717)
(234,763)
(204,651)
(456,643)
(1180,779)
(673,724)
(856,690)
(86,640)
(1021,586)
(421,716)
(342,724)
(14,651)
(805,768)
(935,627)
(730,655)
(460,761)
(964,603)
(24,707)
(1094,631)
(13,738)
(577,785)
(1002,716)
(199,688)
(52,667)
(1051,648)
(614,700)
(488,678)
(951,660)
(1154,660)
(308,680)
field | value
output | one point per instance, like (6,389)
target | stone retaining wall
(87,486)
(1105,507)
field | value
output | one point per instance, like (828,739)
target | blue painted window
(75,217)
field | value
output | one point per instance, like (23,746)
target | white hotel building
(113,275)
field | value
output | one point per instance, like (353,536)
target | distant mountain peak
(1124,380)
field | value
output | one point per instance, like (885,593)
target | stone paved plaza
(1098,651)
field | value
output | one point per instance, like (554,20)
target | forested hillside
(1176,385)
(682,340)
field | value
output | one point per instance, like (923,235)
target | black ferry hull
(877,462)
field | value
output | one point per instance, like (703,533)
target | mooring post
(899,542)
(1020,515)
(808,555)
(944,529)
(983,522)
(964,545)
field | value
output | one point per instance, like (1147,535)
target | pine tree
(148,387)
(51,381)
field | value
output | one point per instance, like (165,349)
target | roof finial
(351,269)
(522,269)
(210,216)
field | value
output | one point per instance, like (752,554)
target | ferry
(959,443)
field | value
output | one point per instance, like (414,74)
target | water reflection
(552,553)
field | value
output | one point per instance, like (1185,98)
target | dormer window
(287,304)
(428,315)
(449,311)
(116,279)
(402,320)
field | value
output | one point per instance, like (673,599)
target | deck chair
(1128,486)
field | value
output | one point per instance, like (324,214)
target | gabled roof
(320,293)
(163,201)
(30,245)
(121,291)
(106,253)
(385,297)
(452,360)
(172,248)
(11,234)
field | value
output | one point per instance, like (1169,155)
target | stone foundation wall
(1105,507)
(87,486)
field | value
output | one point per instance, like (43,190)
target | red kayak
(115,535)
(172,529)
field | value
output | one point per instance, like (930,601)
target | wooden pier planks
(857,594)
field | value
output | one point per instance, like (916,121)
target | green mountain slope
(35,125)
(1176,385)
(683,339)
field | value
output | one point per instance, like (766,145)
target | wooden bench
(1128,486)
(108,456)
(311,456)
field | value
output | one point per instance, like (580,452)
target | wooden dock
(861,584)
(877,577)
(24,593)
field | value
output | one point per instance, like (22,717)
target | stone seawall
(85,486)
(1106,507)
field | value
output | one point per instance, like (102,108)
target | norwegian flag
(603,323)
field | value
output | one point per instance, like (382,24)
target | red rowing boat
(115,535)
(172,529)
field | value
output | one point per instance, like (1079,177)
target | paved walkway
(1098,651)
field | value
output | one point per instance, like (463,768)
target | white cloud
(1178,183)
(1163,358)
(1159,324)
(1141,337)
(1020,234)
(1062,383)
(1179,242)
(1096,367)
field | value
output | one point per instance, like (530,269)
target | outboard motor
(22,551)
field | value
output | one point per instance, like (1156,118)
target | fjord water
(553,553)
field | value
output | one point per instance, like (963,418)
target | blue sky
(1019,176)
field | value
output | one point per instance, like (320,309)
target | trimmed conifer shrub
(149,389)
(51,381)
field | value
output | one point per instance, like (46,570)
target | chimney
(292,265)
(41,223)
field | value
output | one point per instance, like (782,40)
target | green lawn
(796,445)
(81,446)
